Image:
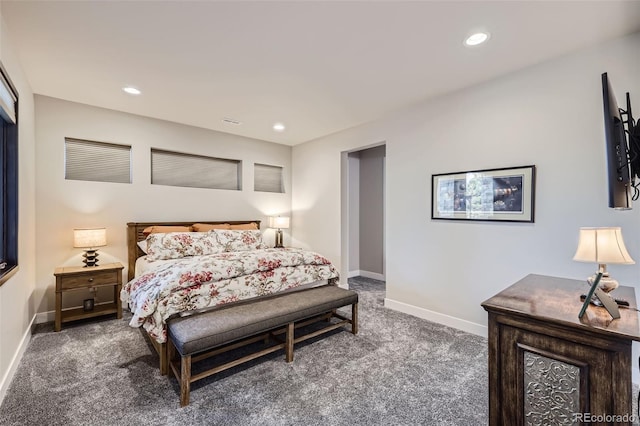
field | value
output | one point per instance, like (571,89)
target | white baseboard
(366,274)
(460,324)
(50,316)
(13,365)
(44,317)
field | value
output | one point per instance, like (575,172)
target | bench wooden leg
(185,380)
(289,341)
(333,313)
(354,318)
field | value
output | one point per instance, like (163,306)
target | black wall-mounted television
(623,157)
(634,149)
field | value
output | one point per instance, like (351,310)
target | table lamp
(602,246)
(280,223)
(89,238)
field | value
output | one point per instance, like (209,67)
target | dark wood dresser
(548,367)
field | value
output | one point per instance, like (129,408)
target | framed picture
(505,195)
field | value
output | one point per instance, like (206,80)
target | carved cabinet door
(547,380)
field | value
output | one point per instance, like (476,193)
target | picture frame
(500,195)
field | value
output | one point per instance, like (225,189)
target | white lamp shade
(603,246)
(280,222)
(90,237)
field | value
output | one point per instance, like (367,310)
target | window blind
(195,171)
(267,178)
(97,161)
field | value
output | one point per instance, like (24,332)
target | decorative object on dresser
(279,223)
(89,238)
(72,278)
(546,366)
(602,246)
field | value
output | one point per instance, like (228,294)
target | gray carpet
(398,370)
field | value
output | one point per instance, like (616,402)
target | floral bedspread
(199,282)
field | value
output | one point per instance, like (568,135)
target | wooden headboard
(135,234)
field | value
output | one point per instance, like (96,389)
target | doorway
(363,215)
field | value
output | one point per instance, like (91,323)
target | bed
(204,276)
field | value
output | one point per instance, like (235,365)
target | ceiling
(317,66)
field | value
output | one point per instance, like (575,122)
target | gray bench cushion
(207,330)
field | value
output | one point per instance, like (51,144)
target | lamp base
(90,258)
(279,239)
(607,284)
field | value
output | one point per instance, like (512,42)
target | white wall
(549,115)
(65,204)
(354,212)
(372,211)
(17,307)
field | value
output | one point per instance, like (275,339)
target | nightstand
(70,278)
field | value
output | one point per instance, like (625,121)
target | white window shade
(267,178)
(195,171)
(97,161)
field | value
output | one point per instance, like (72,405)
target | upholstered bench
(203,335)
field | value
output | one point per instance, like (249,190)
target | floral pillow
(175,245)
(239,240)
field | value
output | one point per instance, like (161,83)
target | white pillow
(143,246)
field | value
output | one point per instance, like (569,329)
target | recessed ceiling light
(131,90)
(278,127)
(476,39)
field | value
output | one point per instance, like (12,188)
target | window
(195,171)
(8,177)
(267,178)
(97,161)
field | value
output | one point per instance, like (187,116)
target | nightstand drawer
(89,279)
